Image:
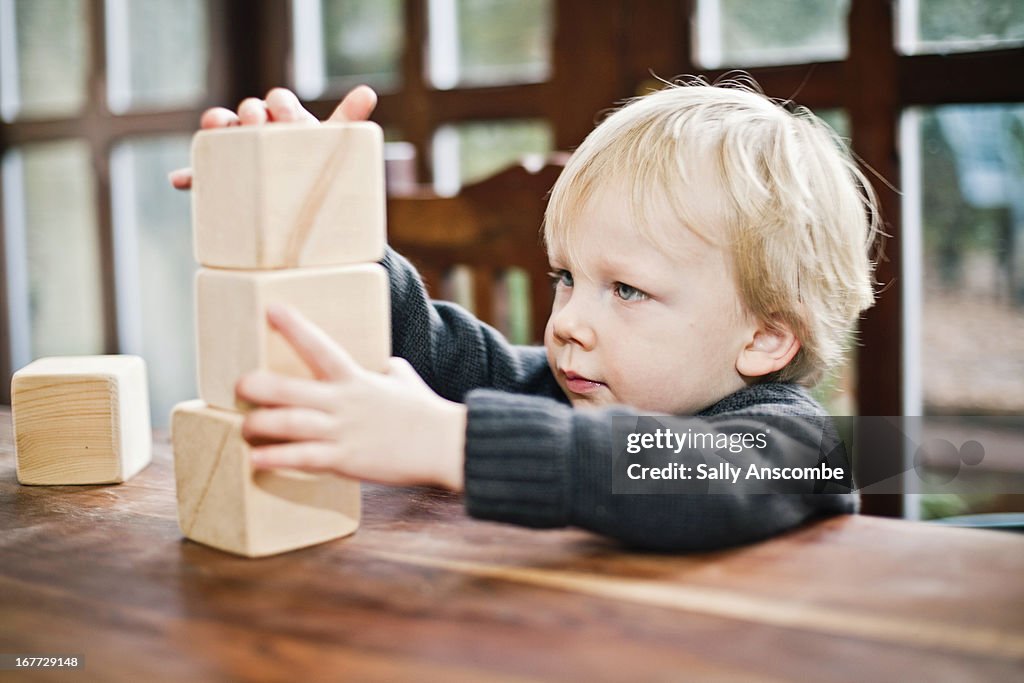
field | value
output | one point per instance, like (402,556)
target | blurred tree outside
(973,194)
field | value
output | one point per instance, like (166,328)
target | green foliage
(952,225)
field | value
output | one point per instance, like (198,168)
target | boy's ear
(771,348)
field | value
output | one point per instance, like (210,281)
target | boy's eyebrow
(626,270)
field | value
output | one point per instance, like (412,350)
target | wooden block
(350,303)
(224,503)
(288,195)
(81,420)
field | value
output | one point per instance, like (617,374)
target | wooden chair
(490,230)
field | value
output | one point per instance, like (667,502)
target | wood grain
(735,605)
(288,195)
(81,419)
(234,337)
(223,504)
(422,592)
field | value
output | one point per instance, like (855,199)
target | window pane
(363,38)
(153,244)
(340,43)
(757,32)
(53,264)
(156,53)
(468,152)
(43,57)
(966,186)
(490,42)
(959,25)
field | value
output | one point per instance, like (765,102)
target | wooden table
(423,593)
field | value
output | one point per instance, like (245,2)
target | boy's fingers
(311,456)
(181,179)
(400,368)
(283,106)
(269,389)
(252,111)
(287,424)
(321,354)
(357,105)
(218,117)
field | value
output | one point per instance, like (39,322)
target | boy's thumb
(357,105)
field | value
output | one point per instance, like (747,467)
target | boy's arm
(451,350)
(538,463)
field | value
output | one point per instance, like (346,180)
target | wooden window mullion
(5,333)
(871,89)
(98,136)
(414,114)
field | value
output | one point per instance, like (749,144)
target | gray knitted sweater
(533,460)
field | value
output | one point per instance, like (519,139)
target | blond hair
(777,189)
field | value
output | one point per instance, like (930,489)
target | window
(97,248)
(467,152)
(471,84)
(44,51)
(929,26)
(748,33)
(52,251)
(156,54)
(963,175)
(946,133)
(154,267)
(489,42)
(340,43)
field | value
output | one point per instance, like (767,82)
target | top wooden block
(287,195)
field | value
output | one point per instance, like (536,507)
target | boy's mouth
(578,384)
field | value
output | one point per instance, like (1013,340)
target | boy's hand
(390,429)
(279,105)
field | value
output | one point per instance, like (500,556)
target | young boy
(710,254)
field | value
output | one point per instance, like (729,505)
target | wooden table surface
(421,592)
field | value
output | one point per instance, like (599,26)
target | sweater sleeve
(536,462)
(451,350)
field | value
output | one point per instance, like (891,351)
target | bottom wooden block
(224,503)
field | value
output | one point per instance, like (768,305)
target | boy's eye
(629,293)
(561,278)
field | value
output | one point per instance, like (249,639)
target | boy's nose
(570,327)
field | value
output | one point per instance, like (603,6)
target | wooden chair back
(491,231)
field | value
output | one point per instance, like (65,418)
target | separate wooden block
(288,195)
(350,303)
(224,503)
(81,420)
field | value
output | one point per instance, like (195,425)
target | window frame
(101,129)
(600,56)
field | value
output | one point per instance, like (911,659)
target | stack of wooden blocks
(281,213)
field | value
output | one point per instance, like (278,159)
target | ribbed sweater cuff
(517,459)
